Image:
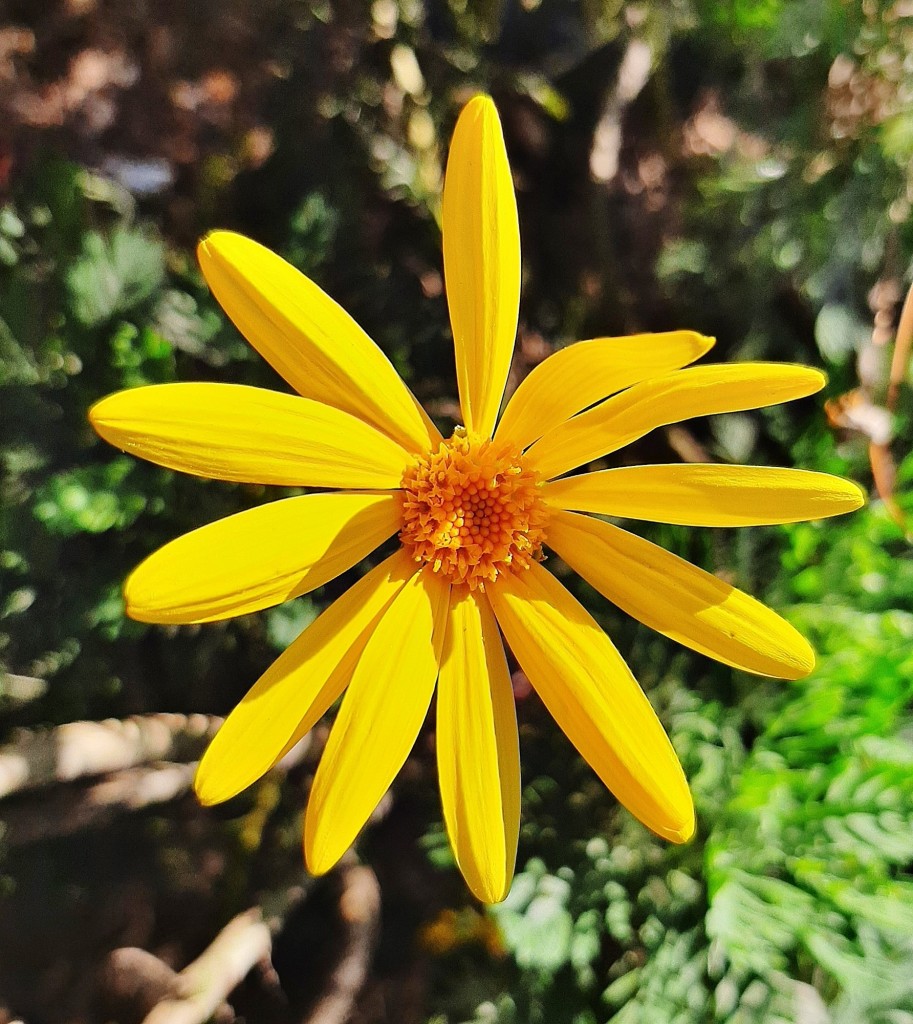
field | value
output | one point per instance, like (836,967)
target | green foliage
(89,307)
(805,868)
(536,923)
(76,304)
(91,499)
(114,275)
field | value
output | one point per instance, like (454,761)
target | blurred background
(741,169)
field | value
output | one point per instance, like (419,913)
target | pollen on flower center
(472,510)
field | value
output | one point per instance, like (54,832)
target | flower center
(473,510)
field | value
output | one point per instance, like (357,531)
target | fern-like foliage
(807,866)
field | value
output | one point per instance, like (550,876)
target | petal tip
(812,378)
(802,662)
(206,792)
(319,857)
(217,237)
(859,499)
(685,833)
(681,824)
(99,413)
(699,344)
(133,605)
(808,663)
(205,246)
(221,244)
(480,117)
(481,105)
(139,607)
(490,891)
(216,779)
(94,415)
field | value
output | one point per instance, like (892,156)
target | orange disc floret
(472,510)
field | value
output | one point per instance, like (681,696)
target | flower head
(473,513)
(473,510)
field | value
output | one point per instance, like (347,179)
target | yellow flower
(472,512)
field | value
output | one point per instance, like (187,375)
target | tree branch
(359,912)
(86,805)
(201,988)
(81,749)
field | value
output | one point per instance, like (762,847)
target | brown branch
(85,805)
(359,913)
(80,749)
(685,445)
(201,988)
(141,988)
(131,983)
(633,74)
(136,987)
(88,803)
(145,990)
(21,689)
(902,346)
(133,979)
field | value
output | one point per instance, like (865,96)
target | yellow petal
(234,432)
(309,339)
(258,558)
(679,600)
(477,748)
(296,691)
(699,495)
(698,391)
(575,377)
(593,697)
(379,719)
(481,261)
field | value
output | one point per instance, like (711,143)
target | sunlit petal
(707,495)
(379,719)
(575,377)
(590,692)
(481,261)
(679,600)
(477,748)
(259,558)
(234,432)
(295,692)
(698,391)
(309,339)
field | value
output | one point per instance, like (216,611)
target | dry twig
(902,346)
(88,805)
(80,749)
(359,913)
(201,988)
(145,989)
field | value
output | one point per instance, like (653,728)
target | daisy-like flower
(473,513)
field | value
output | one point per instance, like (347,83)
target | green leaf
(114,274)
(92,499)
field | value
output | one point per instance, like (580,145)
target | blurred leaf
(114,274)
(90,500)
(285,623)
(839,333)
(536,923)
